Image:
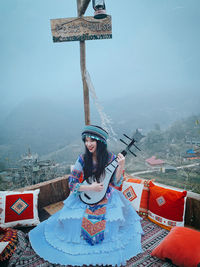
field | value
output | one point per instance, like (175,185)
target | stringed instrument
(93,197)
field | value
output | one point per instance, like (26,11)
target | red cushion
(19,208)
(166,206)
(181,246)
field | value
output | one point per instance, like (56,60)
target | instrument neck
(124,152)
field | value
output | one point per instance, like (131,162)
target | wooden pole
(85,86)
(81,7)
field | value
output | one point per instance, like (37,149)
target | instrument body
(92,197)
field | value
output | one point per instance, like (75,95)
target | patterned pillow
(166,206)
(137,192)
(18,208)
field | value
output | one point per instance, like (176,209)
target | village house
(155,163)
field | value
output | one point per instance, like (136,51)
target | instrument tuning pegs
(123,142)
(132,143)
(137,147)
(127,137)
(132,153)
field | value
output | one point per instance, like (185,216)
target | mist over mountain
(43,125)
(51,127)
(147,109)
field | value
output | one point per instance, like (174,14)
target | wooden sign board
(81,29)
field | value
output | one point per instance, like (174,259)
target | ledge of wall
(56,190)
(192,212)
(51,191)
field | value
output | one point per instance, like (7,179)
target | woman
(106,233)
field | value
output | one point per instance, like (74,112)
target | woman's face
(91,144)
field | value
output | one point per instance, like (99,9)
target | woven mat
(24,255)
(153,235)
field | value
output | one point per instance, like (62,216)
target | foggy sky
(154,50)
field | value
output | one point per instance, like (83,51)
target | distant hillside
(40,124)
(147,109)
(53,126)
(169,144)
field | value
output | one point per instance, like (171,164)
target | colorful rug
(24,256)
(8,235)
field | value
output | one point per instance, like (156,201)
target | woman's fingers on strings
(120,157)
(101,186)
(98,186)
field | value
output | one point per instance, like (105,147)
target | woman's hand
(121,160)
(120,168)
(97,187)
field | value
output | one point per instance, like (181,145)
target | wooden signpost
(81,29)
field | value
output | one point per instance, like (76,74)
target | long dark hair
(102,160)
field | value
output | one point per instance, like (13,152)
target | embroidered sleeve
(76,176)
(119,183)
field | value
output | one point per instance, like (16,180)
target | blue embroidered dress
(63,238)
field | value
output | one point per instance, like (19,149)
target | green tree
(155,142)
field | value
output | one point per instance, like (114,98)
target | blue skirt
(58,239)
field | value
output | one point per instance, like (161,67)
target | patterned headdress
(95,132)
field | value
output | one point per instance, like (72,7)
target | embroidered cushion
(18,208)
(166,206)
(181,246)
(137,192)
